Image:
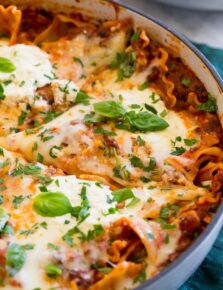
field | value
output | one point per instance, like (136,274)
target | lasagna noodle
(10,20)
(131,227)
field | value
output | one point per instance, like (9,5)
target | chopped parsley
(50,115)
(140,141)
(151,109)
(164,224)
(2,95)
(153,98)
(77,59)
(82,212)
(35,146)
(1,151)
(39,157)
(52,151)
(27,169)
(186,82)
(15,258)
(178,150)
(125,62)
(17,200)
(169,211)
(209,106)
(52,246)
(137,162)
(135,36)
(164,113)
(22,117)
(53,271)
(45,135)
(143,86)
(33,228)
(100,130)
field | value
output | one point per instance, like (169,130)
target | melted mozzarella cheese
(64,91)
(159,141)
(32,274)
(33,70)
(70,129)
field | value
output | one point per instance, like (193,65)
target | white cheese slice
(32,275)
(159,141)
(33,70)
(64,91)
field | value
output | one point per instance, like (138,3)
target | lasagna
(111,153)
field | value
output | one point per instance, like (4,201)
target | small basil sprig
(125,62)
(109,109)
(145,121)
(6,66)
(15,258)
(52,204)
(132,121)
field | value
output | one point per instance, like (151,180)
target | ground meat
(29,28)
(154,74)
(3,272)
(177,73)
(46,92)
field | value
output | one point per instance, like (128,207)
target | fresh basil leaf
(51,204)
(109,109)
(15,258)
(151,109)
(190,142)
(122,194)
(82,98)
(178,151)
(145,121)
(6,66)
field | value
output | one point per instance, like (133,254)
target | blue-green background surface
(209,275)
